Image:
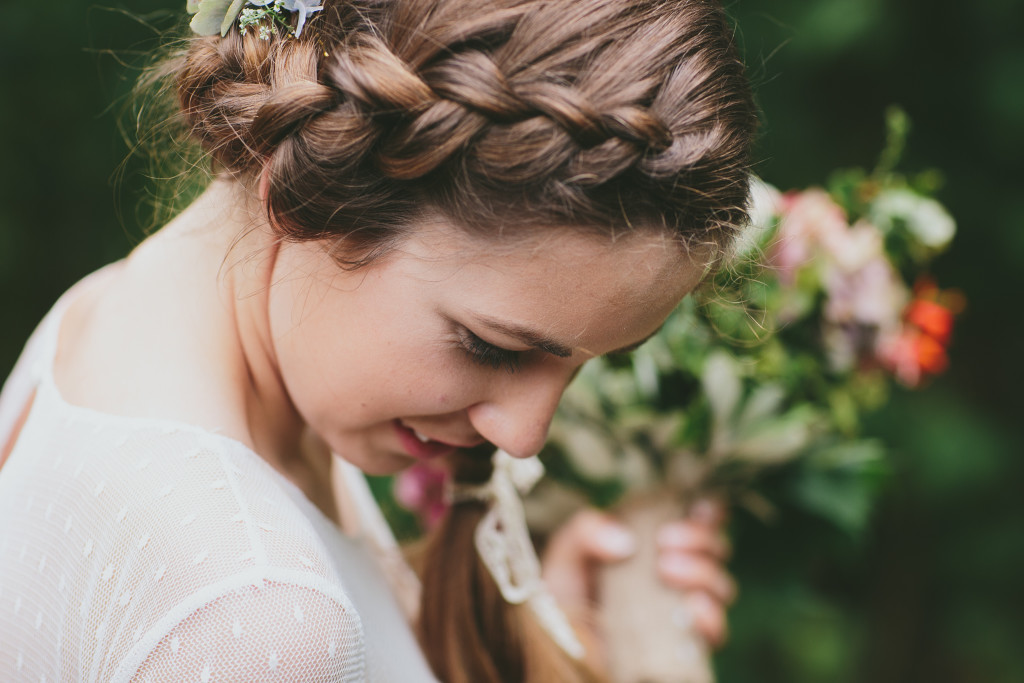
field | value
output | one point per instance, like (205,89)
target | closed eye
(487,354)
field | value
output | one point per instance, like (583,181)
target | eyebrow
(539,341)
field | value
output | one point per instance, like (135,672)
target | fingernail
(618,541)
(704,510)
(672,535)
(673,564)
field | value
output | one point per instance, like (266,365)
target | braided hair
(589,113)
(498,116)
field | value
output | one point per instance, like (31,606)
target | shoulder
(199,501)
(180,552)
(247,589)
(256,625)
(127,342)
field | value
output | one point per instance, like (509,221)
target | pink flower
(872,294)
(854,247)
(911,354)
(810,220)
(421,489)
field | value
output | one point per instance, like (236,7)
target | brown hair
(468,631)
(497,115)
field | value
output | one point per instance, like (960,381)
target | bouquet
(825,303)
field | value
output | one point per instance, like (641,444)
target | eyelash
(487,354)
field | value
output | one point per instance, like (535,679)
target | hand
(691,556)
(692,553)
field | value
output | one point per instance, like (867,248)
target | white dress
(147,550)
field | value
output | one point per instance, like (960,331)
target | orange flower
(919,348)
(932,318)
(930,354)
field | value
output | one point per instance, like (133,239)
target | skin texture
(274,345)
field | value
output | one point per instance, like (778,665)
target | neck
(224,236)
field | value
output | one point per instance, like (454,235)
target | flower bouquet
(823,305)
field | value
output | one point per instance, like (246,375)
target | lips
(414,444)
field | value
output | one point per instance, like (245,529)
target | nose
(517,412)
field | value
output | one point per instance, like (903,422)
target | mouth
(421,446)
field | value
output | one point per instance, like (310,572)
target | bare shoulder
(142,342)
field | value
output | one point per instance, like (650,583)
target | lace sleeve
(264,631)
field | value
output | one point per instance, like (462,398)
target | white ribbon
(504,544)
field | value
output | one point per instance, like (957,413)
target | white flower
(926,219)
(765,205)
(853,248)
(591,454)
(765,202)
(304,8)
(213,16)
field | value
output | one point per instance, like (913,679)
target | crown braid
(595,113)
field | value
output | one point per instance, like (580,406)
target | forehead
(583,287)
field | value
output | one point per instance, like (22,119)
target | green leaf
(840,483)
(230,17)
(213,16)
(721,382)
(764,402)
(773,442)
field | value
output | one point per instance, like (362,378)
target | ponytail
(469,633)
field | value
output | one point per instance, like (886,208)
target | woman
(427,214)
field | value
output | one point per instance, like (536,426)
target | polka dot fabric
(136,550)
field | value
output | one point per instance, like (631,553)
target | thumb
(591,536)
(589,539)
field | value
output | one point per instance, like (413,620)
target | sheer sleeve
(265,631)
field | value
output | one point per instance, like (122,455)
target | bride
(426,216)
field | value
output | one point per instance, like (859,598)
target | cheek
(344,375)
(310,351)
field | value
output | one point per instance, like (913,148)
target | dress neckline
(47,390)
(43,371)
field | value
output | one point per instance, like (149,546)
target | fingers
(693,537)
(709,512)
(708,619)
(698,574)
(589,538)
(691,557)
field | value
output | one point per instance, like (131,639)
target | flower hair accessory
(504,544)
(217,16)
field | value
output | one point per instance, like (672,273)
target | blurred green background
(931,589)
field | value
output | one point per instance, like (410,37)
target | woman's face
(453,340)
